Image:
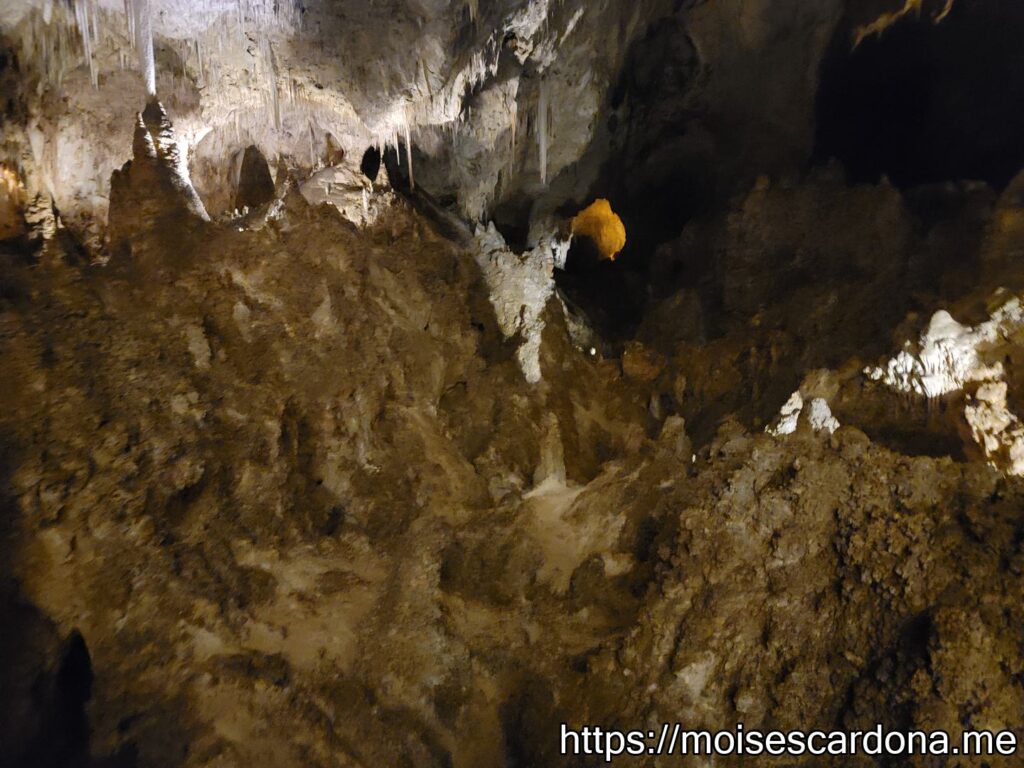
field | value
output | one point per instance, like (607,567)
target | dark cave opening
(370,164)
(512,219)
(612,294)
(73,687)
(922,104)
(615,295)
(927,101)
(255,183)
(660,173)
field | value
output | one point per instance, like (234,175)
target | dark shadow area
(928,102)
(395,164)
(255,184)
(370,164)
(908,425)
(530,725)
(658,175)
(45,689)
(44,683)
(512,219)
(46,673)
(612,294)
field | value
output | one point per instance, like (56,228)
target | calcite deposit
(334,436)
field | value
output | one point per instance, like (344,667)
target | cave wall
(734,100)
(345,480)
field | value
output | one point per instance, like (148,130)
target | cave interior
(400,381)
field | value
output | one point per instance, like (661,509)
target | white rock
(818,414)
(519,288)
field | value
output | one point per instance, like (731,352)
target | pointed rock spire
(152,189)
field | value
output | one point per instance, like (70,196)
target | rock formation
(330,439)
(153,189)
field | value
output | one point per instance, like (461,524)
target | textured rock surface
(633,94)
(153,190)
(294,488)
(347,478)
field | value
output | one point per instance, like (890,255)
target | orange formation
(886,20)
(602,225)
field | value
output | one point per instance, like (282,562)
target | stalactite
(408,152)
(51,46)
(86,31)
(129,17)
(542,130)
(95,26)
(270,73)
(199,63)
(143,26)
(514,112)
(426,79)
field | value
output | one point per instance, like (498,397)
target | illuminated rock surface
(601,224)
(318,450)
